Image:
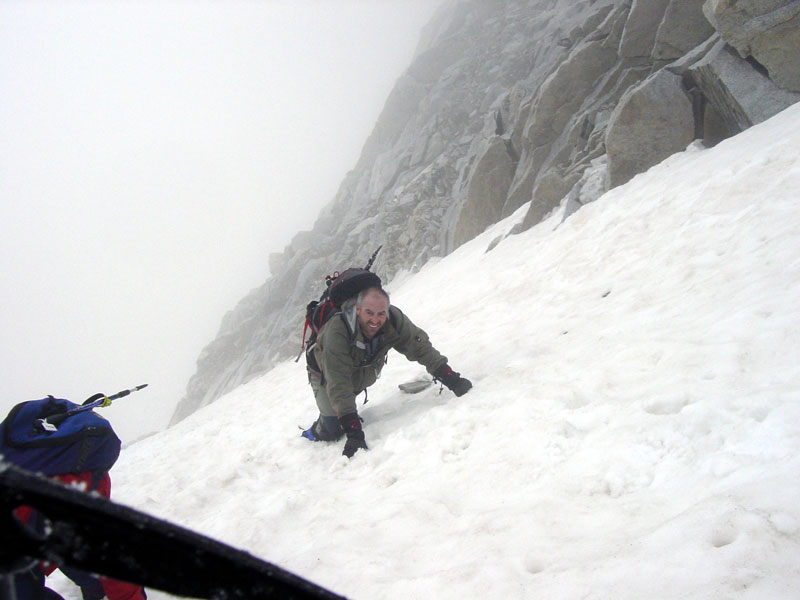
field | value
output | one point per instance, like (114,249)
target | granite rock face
(766,30)
(509,102)
(743,96)
(652,121)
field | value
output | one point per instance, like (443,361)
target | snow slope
(633,432)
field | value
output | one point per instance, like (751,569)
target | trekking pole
(372,259)
(97,401)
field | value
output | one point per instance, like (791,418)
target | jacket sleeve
(413,342)
(333,356)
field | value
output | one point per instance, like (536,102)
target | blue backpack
(83,441)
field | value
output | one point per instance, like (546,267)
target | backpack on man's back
(339,287)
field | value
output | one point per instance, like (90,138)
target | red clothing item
(114,590)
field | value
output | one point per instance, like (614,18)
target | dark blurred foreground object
(95,535)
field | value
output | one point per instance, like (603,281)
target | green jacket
(341,350)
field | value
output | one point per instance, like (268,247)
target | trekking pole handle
(124,393)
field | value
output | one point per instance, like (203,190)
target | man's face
(372,314)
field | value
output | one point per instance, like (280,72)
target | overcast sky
(152,155)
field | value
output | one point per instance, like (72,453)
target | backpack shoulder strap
(348,314)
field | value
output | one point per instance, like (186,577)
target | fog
(152,156)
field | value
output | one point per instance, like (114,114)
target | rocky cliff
(508,102)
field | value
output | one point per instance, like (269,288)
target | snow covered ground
(633,432)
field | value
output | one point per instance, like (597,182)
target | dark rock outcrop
(766,30)
(652,121)
(739,92)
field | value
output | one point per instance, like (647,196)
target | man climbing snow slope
(349,354)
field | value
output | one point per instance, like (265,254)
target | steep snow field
(633,432)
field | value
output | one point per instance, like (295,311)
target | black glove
(351,424)
(454,381)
